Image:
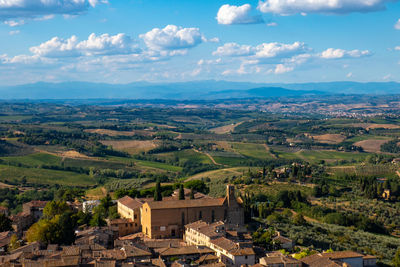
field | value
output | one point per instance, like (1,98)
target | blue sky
(168,41)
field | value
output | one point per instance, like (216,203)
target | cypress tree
(157,192)
(181,192)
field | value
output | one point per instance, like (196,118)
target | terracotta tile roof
(317,260)
(282,239)
(210,230)
(189,203)
(36,203)
(369,257)
(342,255)
(121,220)
(231,247)
(206,258)
(279,259)
(217,264)
(112,254)
(132,251)
(188,250)
(132,203)
(158,262)
(162,243)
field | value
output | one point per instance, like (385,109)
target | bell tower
(235,213)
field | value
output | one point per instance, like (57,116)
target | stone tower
(235,213)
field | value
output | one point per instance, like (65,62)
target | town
(184,229)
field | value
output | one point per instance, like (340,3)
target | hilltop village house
(167,218)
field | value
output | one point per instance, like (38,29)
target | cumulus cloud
(104,44)
(290,7)
(281,68)
(230,14)
(262,51)
(234,49)
(332,53)
(172,38)
(10,9)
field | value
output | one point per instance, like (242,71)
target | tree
(14,243)
(5,223)
(54,208)
(298,219)
(181,192)
(157,192)
(396,259)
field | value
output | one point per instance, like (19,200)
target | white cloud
(14,23)
(349,75)
(230,14)
(234,49)
(271,50)
(290,7)
(262,51)
(281,68)
(104,44)
(172,38)
(10,9)
(332,53)
(272,24)
(397,25)
(397,48)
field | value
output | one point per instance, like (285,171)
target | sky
(267,41)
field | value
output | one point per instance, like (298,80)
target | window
(183,218)
(200,215)
(212,215)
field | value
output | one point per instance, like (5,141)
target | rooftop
(189,203)
(132,203)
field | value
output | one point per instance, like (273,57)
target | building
(279,260)
(233,252)
(124,226)
(284,242)
(88,206)
(339,258)
(129,208)
(34,208)
(167,218)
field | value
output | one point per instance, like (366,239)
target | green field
(43,176)
(318,155)
(34,160)
(252,150)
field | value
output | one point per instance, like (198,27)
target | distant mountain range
(207,90)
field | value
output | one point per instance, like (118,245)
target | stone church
(167,218)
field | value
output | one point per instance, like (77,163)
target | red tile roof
(132,203)
(190,203)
